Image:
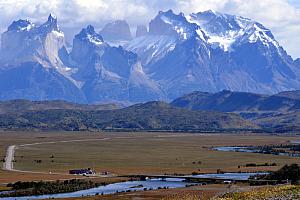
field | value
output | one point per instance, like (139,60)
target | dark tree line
(286,173)
(41,187)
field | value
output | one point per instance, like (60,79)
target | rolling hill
(149,116)
(227,101)
(275,113)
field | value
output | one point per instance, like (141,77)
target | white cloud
(281,16)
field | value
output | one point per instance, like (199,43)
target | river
(152,184)
(252,150)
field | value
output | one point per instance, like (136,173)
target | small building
(81,171)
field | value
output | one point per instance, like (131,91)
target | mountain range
(176,55)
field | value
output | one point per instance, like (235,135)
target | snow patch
(58,33)
(94,40)
(152,47)
(224,30)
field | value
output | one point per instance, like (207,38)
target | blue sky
(281,16)
(296,3)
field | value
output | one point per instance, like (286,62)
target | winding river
(130,186)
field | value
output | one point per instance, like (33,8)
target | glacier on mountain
(206,51)
(213,51)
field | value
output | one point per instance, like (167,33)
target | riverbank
(205,192)
(292,150)
(4,188)
(78,188)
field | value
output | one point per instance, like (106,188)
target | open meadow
(139,153)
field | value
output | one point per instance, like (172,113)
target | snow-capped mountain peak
(49,25)
(23,41)
(219,23)
(52,18)
(89,34)
(166,31)
(206,51)
(169,23)
(226,31)
(86,44)
(21,25)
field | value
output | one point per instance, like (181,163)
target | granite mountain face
(35,65)
(210,51)
(31,65)
(246,55)
(116,33)
(206,51)
(109,73)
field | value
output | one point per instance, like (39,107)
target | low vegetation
(287,192)
(40,188)
(260,165)
(279,122)
(286,173)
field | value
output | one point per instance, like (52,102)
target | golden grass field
(139,153)
(148,153)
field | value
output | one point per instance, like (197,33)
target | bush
(288,172)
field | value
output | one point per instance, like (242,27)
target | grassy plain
(139,153)
(10,138)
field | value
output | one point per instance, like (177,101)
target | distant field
(135,153)
(9,138)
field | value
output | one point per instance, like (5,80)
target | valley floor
(136,153)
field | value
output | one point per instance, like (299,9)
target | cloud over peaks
(281,16)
